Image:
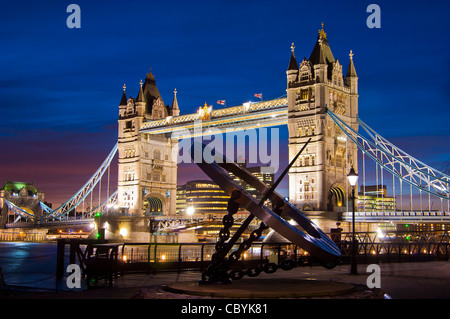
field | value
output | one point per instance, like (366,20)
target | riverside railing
(153,257)
(198,255)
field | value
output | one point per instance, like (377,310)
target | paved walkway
(422,280)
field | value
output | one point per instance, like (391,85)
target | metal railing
(154,257)
(184,256)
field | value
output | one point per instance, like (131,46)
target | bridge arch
(154,205)
(336,197)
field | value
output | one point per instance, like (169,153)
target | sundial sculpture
(312,239)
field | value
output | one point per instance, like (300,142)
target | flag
(259,95)
(221,102)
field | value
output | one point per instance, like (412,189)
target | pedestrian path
(421,280)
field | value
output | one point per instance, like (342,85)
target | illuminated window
(129,176)
(305,94)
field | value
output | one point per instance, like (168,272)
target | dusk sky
(60,87)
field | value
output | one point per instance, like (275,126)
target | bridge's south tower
(317,181)
(147,175)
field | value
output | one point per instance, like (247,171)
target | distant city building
(374,198)
(258,172)
(23,195)
(205,197)
(181,200)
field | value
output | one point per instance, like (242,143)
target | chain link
(219,270)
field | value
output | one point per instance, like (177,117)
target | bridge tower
(317,181)
(147,174)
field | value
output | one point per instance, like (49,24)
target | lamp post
(353,179)
(190,211)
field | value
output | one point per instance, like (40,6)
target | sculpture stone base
(264,288)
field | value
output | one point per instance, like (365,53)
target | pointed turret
(140,97)
(123,101)
(292,71)
(322,58)
(293,61)
(152,96)
(351,79)
(151,91)
(321,53)
(175,108)
(140,100)
(351,72)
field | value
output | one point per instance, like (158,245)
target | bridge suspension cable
(394,160)
(79,197)
(19,212)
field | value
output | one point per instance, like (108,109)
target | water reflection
(28,264)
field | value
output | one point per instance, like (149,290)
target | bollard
(60,249)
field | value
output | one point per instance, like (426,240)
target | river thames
(29,264)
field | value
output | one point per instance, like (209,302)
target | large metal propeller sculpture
(310,237)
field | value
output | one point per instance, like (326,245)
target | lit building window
(305,94)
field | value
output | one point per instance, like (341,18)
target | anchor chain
(219,270)
(268,268)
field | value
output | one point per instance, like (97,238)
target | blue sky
(60,87)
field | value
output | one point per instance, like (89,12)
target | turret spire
(322,34)
(293,61)
(175,108)
(351,72)
(321,53)
(123,101)
(140,97)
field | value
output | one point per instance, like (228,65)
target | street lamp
(353,179)
(190,211)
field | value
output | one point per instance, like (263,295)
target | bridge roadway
(49,223)
(405,216)
(175,223)
(160,223)
(235,118)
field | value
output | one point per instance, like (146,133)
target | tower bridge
(321,104)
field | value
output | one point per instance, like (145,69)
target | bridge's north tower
(317,181)
(147,174)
